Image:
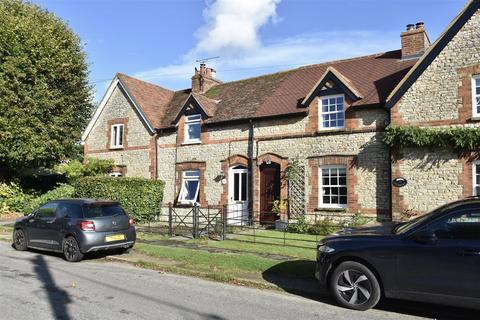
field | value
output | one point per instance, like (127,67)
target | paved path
(40,286)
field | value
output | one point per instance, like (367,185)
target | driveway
(41,286)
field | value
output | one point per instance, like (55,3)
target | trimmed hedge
(140,197)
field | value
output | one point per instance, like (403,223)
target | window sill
(474,118)
(331,209)
(116,148)
(189,143)
(327,130)
(186,204)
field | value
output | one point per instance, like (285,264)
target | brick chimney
(415,40)
(204,79)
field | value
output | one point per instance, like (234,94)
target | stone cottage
(232,144)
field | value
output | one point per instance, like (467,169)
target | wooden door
(269,191)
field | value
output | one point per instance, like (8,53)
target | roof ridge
(314,65)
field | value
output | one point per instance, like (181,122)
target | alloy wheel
(70,249)
(354,287)
(19,239)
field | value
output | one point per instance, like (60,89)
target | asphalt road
(42,286)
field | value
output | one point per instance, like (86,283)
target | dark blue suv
(75,227)
(433,258)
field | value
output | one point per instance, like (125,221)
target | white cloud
(231,30)
(232,25)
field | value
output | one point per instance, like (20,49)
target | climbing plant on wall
(459,139)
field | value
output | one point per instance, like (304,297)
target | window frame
(115,136)
(183,190)
(115,174)
(321,204)
(474,176)
(189,122)
(321,113)
(475,107)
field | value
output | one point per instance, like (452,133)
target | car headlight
(325,249)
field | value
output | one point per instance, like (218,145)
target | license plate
(114,237)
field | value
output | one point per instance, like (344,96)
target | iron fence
(240,223)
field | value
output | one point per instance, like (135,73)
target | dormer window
(193,126)
(476,95)
(332,112)
(116,140)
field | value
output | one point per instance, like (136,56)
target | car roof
(87,201)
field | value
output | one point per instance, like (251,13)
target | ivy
(459,139)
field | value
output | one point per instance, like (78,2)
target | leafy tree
(45,99)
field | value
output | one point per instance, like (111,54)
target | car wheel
(71,250)
(354,286)
(19,240)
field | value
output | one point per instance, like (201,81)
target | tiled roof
(276,94)
(152,99)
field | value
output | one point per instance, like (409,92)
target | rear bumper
(124,245)
(95,241)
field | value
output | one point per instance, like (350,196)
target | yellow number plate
(115,237)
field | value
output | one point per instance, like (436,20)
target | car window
(47,210)
(463,225)
(103,210)
(69,210)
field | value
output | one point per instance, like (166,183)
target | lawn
(236,258)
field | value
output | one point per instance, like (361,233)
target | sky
(159,41)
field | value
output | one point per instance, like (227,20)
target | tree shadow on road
(57,297)
(307,287)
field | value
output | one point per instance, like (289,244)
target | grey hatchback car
(75,227)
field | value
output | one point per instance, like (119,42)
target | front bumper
(322,269)
(95,241)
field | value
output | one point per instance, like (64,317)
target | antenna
(204,60)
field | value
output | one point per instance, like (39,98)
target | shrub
(301,226)
(141,198)
(74,169)
(63,191)
(321,227)
(12,198)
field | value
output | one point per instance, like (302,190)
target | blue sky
(159,40)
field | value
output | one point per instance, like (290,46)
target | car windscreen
(102,210)
(410,225)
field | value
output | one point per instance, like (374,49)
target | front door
(238,196)
(269,191)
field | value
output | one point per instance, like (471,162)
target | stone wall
(372,167)
(434,178)
(441,97)
(137,141)
(434,98)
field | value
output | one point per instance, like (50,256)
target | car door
(66,215)
(448,266)
(39,235)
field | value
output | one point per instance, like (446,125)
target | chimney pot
(410,27)
(420,25)
(204,79)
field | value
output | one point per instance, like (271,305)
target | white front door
(238,196)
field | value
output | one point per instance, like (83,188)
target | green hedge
(141,198)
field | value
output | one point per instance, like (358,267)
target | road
(42,286)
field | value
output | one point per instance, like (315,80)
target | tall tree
(45,98)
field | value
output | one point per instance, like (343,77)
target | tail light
(131,221)
(87,225)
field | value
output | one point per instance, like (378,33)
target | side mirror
(425,237)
